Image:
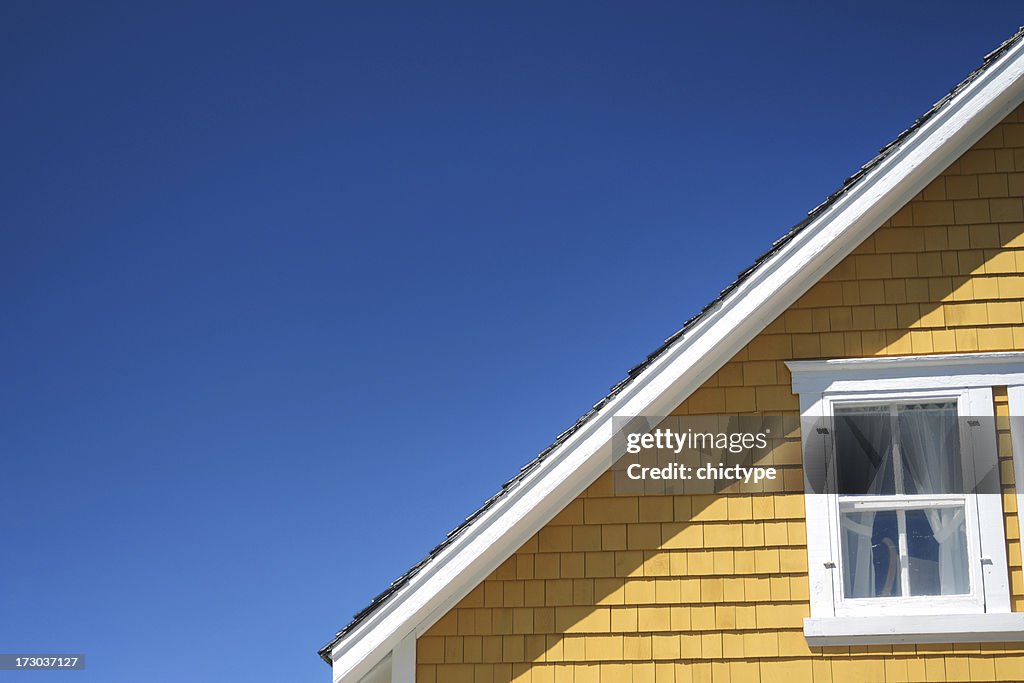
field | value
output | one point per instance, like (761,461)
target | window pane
(930,448)
(937,549)
(871,557)
(864,450)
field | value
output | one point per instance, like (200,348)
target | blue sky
(289,289)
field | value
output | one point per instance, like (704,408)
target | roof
(848,187)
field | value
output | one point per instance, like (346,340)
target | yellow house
(901,295)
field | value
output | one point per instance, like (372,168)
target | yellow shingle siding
(714,588)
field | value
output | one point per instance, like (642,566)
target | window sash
(905,603)
(914,576)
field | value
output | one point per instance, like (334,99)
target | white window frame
(969,379)
(975,601)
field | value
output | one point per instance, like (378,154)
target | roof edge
(793,264)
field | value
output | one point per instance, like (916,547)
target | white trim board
(954,628)
(403,661)
(1015,394)
(953,370)
(757,300)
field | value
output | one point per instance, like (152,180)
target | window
(903,500)
(905,530)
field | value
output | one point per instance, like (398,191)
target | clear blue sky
(287,291)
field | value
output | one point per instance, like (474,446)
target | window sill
(946,628)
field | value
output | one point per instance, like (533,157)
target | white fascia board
(687,364)
(963,370)
(886,630)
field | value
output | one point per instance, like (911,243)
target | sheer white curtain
(935,539)
(865,461)
(930,451)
